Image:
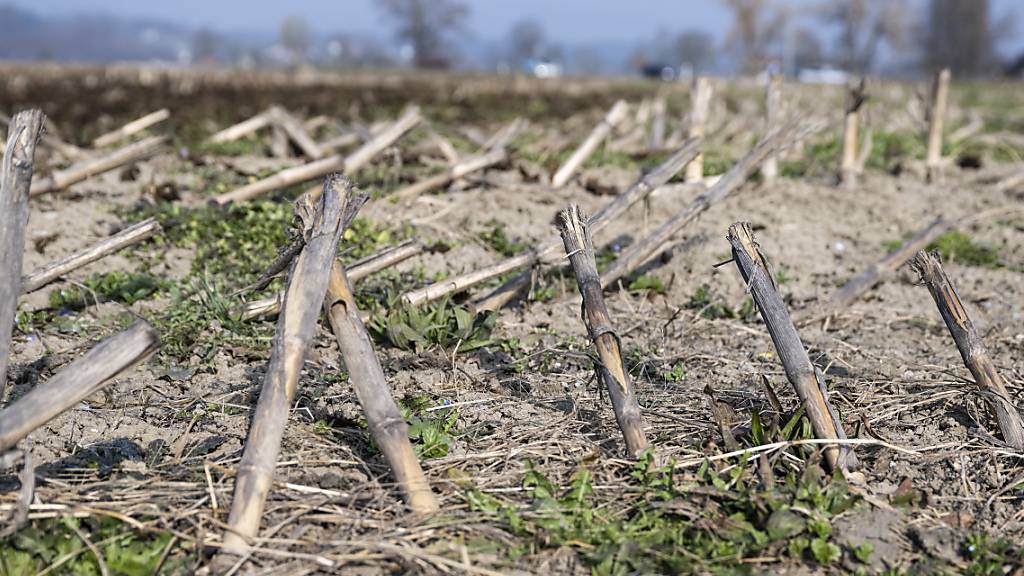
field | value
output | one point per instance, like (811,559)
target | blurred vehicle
(659,71)
(543,68)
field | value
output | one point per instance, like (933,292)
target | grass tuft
(959,247)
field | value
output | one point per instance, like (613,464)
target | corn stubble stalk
(76,382)
(700,103)
(654,243)
(866,280)
(280,147)
(656,139)
(294,131)
(242,129)
(806,380)
(580,250)
(773,113)
(69,151)
(615,116)
(444,146)
(318,168)
(359,270)
(15,181)
(504,136)
(128,237)
(936,122)
(324,219)
(383,417)
(971,347)
(463,168)
(134,152)
(849,165)
(132,128)
(546,253)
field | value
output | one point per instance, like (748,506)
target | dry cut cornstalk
(580,250)
(280,146)
(351,136)
(134,152)
(295,132)
(318,168)
(647,186)
(700,104)
(444,146)
(773,113)
(340,141)
(15,180)
(69,151)
(936,122)
(613,118)
(132,128)
(324,220)
(654,243)
(359,270)
(849,165)
(128,237)
(971,347)
(656,139)
(503,137)
(452,173)
(547,252)
(808,382)
(383,418)
(76,382)
(866,280)
(242,129)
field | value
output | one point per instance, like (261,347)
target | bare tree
(756,31)
(295,38)
(694,48)
(807,52)
(864,26)
(424,25)
(525,42)
(961,35)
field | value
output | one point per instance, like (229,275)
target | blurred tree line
(859,36)
(894,37)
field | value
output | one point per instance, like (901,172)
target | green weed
(782,275)
(604,157)
(889,148)
(124,550)
(431,434)
(200,320)
(363,238)
(676,375)
(708,304)
(440,324)
(991,557)
(709,522)
(117,286)
(959,247)
(717,161)
(497,239)
(645,283)
(235,242)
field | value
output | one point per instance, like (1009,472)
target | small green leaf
(824,552)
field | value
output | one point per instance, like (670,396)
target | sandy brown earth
(158,449)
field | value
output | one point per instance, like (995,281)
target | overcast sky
(565,21)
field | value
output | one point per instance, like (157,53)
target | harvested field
(511,422)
